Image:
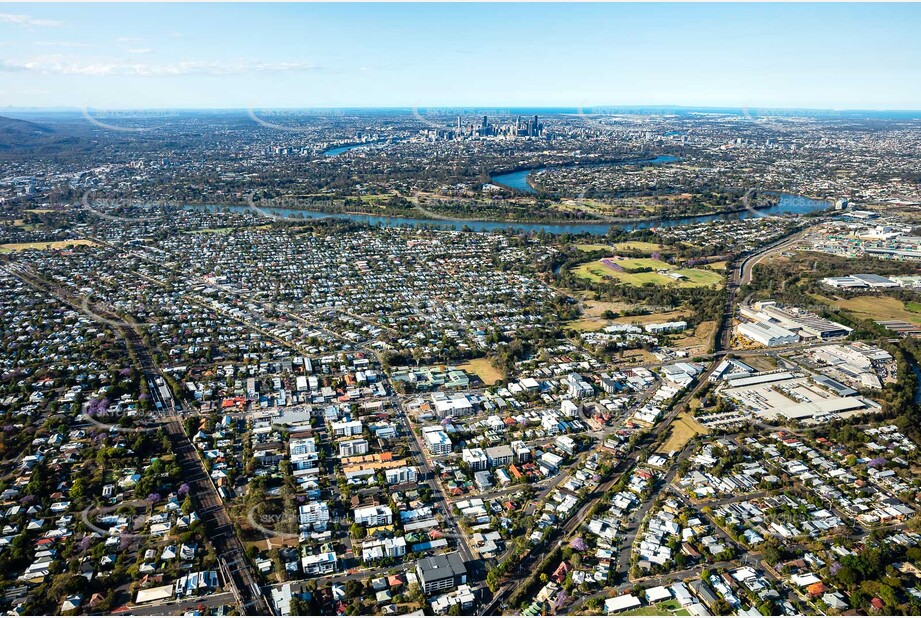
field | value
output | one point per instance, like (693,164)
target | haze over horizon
(214,56)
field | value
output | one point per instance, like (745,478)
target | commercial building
(806,322)
(441,572)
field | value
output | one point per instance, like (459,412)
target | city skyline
(800,56)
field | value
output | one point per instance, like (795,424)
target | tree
(357,531)
(78,490)
(414,593)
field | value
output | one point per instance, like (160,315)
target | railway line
(218,526)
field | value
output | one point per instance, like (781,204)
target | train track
(208,504)
(218,525)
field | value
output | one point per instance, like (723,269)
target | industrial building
(767,334)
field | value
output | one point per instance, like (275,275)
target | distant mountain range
(24,137)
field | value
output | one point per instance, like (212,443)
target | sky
(238,56)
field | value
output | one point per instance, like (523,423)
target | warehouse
(767,334)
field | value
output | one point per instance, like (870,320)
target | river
(518,179)
(338,150)
(787,204)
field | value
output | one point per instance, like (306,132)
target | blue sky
(841,56)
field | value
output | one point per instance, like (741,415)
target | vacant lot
(483,368)
(595,308)
(682,429)
(639,357)
(58,244)
(700,337)
(634,246)
(877,308)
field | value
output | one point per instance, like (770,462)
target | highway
(748,264)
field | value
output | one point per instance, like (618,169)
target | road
(748,264)
(415,445)
(175,607)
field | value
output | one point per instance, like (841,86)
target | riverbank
(787,204)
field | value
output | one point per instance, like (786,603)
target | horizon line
(453,108)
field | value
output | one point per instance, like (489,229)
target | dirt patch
(41,246)
(682,429)
(483,368)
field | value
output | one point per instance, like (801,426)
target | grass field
(595,308)
(648,247)
(654,318)
(761,363)
(21,224)
(593,247)
(588,324)
(598,271)
(483,368)
(682,430)
(876,308)
(58,244)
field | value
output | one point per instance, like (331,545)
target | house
(72,603)
(623,603)
(835,600)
